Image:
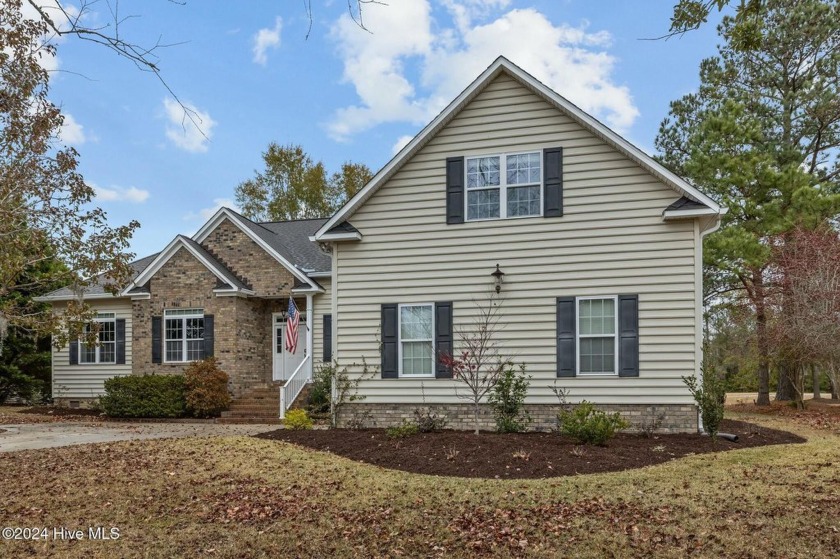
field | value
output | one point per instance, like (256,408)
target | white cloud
(373,63)
(206,213)
(119,194)
(267,38)
(401,142)
(189,130)
(71,131)
(572,60)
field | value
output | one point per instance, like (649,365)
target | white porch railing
(294,384)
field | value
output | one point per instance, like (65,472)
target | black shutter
(443,338)
(553,181)
(120,338)
(74,352)
(566,351)
(628,335)
(209,337)
(390,324)
(455,190)
(157,342)
(327,338)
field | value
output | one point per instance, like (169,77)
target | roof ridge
(290,220)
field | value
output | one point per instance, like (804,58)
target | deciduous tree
(46,210)
(293,186)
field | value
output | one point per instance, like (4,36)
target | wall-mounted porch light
(497,277)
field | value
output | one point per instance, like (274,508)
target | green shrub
(428,421)
(508,400)
(710,397)
(404,429)
(13,382)
(145,396)
(588,425)
(321,390)
(297,420)
(206,388)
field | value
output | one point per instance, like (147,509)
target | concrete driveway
(50,435)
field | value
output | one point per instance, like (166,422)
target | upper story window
(507,185)
(597,335)
(184,334)
(106,350)
(416,340)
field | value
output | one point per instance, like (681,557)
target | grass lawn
(247,497)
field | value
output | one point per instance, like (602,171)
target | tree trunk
(786,389)
(815,378)
(761,339)
(475,417)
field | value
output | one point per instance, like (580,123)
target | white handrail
(285,400)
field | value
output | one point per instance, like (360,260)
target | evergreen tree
(762,136)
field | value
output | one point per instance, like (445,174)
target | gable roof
(294,235)
(265,238)
(501,65)
(96,290)
(227,279)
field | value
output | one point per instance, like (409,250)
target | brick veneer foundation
(677,418)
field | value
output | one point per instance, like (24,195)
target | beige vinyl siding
(611,240)
(86,380)
(321,305)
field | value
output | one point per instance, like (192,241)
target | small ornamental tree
(804,328)
(478,366)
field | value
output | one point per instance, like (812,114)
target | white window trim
(183,318)
(400,340)
(100,317)
(614,373)
(503,186)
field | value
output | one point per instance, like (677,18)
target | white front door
(284,363)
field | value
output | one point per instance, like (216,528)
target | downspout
(698,265)
(310,321)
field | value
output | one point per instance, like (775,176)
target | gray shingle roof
(291,239)
(343,227)
(685,203)
(98,287)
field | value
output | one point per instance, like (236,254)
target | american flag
(292,321)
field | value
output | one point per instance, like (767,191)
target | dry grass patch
(246,497)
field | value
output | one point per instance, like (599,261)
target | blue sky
(343,94)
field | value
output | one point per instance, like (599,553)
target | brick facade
(242,329)
(675,418)
(245,258)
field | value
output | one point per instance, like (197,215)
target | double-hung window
(508,185)
(416,343)
(597,327)
(105,351)
(184,334)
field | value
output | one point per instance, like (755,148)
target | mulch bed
(519,456)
